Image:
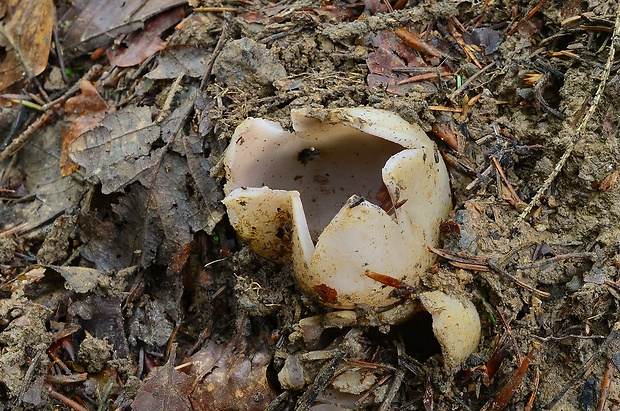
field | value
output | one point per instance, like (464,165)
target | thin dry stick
(399,376)
(467,82)
(557,258)
(218,48)
(609,375)
(66,400)
(530,402)
(584,121)
(176,85)
(510,335)
(513,193)
(24,137)
(586,368)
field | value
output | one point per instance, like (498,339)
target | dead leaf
(236,376)
(26,34)
(179,202)
(102,317)
(78,279)
(52,194)
(151,323)
(180,59)
(25,279)
(165,389)
(134,240)
(488,38)
(120,149)
(199,167)
(147,42)
(390,53)
(176,196)
(95,23)
(85,111)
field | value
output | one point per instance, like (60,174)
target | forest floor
(124,286)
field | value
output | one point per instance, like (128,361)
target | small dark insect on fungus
(307,155)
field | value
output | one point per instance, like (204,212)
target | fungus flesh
(347,193)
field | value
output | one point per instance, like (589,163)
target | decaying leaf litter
(118,261)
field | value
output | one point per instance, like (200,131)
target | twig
(467,49)
(66,379)
(477,263)
(393,20)
(24,137)
(413,41)
(214,9)
(174,88)
(584,122)
(585,370)
(609,375)
(530,401)
(467,82)
(424,77)
(399,375)
(59,54)
(529,16)
(506,394)
(512,337)
(359,403)
(567,336)
(515,197)
(66,400)
(320,382)
(13,230)
(216,52)
(506,274)
(90,74)
(557,258)
(538,90)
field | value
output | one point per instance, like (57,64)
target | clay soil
(514,92)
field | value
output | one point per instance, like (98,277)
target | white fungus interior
(325,168)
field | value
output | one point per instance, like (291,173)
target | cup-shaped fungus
(349,192)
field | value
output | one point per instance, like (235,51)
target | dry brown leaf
(96,23)
(180,197)
(166,389)
(119,150)
(26,34)
(51,193)
(147,42)
(236,376)
(85,111)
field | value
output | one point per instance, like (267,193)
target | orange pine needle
(415,43)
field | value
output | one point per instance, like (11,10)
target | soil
(222,304)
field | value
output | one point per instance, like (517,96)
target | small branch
(467,82)
(515,197)
(557,258)
(505,395)
(609,375)
(66,400)
(477,263)
(21,140)
(584,121)
(587,367)
(216,52)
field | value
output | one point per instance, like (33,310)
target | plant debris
(124,286)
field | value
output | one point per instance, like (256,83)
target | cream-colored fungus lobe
(347,193)
(356,191)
